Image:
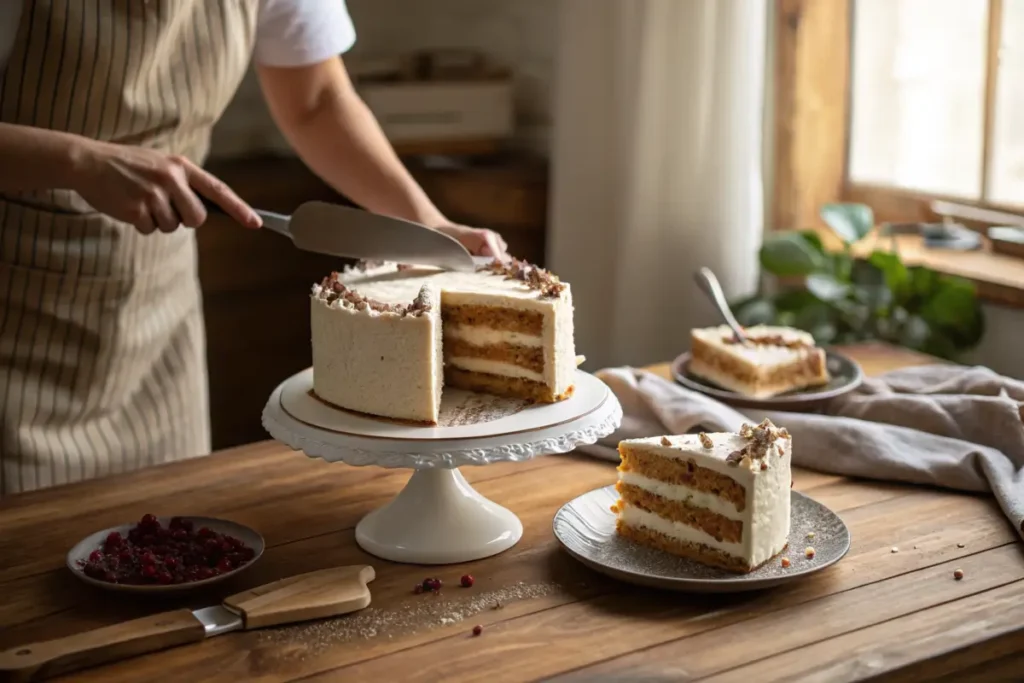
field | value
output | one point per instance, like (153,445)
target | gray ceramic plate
(845,373)
(586,529)
(222,526)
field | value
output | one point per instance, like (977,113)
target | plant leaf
(754,311)
(814,239)
(850,221)
(826,287)
(789,253)
(896,275)
(953,305)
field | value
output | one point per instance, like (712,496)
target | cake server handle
(707,281)
(276,222)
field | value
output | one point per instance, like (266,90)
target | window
(897,103)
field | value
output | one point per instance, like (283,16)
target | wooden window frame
(812,78)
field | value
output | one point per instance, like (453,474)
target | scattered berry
(433,585)
(809,552)
(958,574)
(478,629)
(466,580)
(785,562)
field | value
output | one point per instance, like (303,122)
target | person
(106,110)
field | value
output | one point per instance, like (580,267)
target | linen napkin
(949,426)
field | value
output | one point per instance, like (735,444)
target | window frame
(811,114)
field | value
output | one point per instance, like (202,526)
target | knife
(315,595)
(338,230)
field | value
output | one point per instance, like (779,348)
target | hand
(150,189)
(477,241)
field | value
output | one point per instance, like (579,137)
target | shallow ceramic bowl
(92,542)
(846,375)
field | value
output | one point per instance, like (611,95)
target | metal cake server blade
(315,595)
(337,230)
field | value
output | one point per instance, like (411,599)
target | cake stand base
(438,518)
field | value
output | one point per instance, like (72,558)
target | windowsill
(999,278)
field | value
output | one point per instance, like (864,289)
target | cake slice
(773,361)
(377,357)
(720,499)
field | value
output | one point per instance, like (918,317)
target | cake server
(339,230)
(316,595)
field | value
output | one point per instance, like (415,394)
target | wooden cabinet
(255,284)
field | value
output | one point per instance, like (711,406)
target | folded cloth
(944,425)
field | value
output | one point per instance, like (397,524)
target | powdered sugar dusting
(415,615)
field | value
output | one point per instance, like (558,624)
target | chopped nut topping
(785,562)
(894,550)
(960,545)
(809,552)
(761,442)
(746,431)
(706,441)
(332,290)
(734,458)
(536,278)
(665,441)
(810,534)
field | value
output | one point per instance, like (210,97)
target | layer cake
(774,360)
(722,499)
(386,340)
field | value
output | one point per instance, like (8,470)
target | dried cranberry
(164,577)
(170,562)
(149,521)
(224,565)
(113,540)
(478,629)
(95,556)
(148,570)
(466,580)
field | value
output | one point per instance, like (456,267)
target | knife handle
(273,221)
(119,641)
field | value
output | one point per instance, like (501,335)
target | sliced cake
(374,357)
(721,499)
(385,339)
(773,361)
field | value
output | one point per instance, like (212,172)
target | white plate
(464,414)
(94,541)
(585,527)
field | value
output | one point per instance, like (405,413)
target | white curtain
(656,166)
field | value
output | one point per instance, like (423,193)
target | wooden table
(879,612)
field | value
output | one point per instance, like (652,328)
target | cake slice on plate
(720,499)
(773,361)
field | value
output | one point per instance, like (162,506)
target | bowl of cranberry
(160,554)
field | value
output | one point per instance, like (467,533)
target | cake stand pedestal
(438,518)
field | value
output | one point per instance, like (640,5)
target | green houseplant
(845,299)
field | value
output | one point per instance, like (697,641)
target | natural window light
(928,114)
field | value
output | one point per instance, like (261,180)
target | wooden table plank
(961,630)
(566,621)
(838,614)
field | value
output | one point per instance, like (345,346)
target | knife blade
(337,230)
(314,595)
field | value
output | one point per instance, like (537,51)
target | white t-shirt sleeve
(302,32)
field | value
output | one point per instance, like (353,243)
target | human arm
(147,188)
(333,131)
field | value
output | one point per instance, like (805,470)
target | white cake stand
(438,518)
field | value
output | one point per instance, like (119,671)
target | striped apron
(102,347)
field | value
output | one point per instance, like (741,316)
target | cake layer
(679,539)
(513,387)
(719,527)
(526,357)
(493,367)
(495,318)
(682,494)
(698,552)
(483,336)
(675,470)
(755,387)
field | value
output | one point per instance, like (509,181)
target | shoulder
(301,32)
